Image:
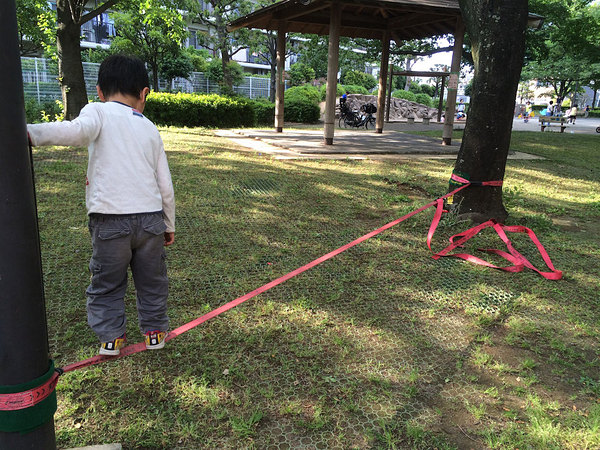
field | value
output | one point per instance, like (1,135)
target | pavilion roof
(405,19)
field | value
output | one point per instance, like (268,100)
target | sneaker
(155,339)
(113,347)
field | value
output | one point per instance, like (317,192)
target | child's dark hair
(122,74)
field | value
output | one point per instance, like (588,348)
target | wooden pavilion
(387,20)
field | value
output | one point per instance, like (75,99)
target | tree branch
(425,53)
(240,48)
(96,12)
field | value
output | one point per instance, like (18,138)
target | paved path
(582,125)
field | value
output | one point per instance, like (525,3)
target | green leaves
(194,110)
(566,49)
(36,25)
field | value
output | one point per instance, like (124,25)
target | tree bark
(70,70)
(497,32)
(272,52)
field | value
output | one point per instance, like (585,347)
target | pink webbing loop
(517,259)
(462,180)
(30,397)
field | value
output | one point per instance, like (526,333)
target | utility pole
(24,355)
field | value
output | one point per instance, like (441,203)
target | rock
(400,108)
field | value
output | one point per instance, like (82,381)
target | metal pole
(24,354)
(37,80)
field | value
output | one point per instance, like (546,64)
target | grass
(380,347)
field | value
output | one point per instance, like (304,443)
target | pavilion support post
(441,102)
(459,36)
(332,70)
(389,94)
(280,84)
(383,73)
(24,355)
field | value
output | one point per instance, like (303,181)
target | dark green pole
(24,354)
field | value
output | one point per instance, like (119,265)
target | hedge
(300,110)
(594,113)
(406,95)
(340,90)
(355,78)
(199,110)
(424,99)
(304,92)
(264,112)
(355,89)
(46,111)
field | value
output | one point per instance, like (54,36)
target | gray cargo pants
(119,242)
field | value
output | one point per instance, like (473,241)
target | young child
(130,202)
(573,114)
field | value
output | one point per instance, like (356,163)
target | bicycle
(353,119)
(346,116)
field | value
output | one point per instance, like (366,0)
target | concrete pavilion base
(361,144)
(351,142)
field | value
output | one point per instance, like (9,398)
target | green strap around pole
(26,420)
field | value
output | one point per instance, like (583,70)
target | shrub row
(195,110)
(46,111)
(212,110)
(594,112)
(301,104)
(421,98)
(264,111)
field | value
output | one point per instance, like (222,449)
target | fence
(40,81)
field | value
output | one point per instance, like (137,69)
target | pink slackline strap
(518,261)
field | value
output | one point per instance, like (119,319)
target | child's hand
(169,238)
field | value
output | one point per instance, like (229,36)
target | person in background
(528,109)
(460,110)
(573,114)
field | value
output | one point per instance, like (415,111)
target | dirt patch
(407,188)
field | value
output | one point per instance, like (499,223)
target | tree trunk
(497,32)
(273,81)
(408,79)
(227,81)
(272,52)
(154,69)
(70,70)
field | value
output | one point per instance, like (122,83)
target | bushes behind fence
(46,111)
(204,110)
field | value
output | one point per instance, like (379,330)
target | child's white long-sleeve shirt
(127,171)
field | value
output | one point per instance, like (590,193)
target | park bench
(548,121)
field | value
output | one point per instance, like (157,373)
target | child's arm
(165,186)
(79,132)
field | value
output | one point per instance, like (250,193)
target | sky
(428,62)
